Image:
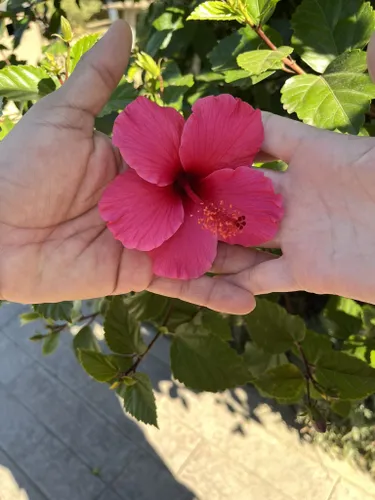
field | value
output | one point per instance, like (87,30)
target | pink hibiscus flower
(189,184)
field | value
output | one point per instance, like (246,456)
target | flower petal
(189,253)
(248,195)
(222,132)
(148,137)
(139,214)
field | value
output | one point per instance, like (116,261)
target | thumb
(371,57)
(99,71)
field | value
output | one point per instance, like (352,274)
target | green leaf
(257,62)
(139,400)
(80,47)
(215,11)
(66,30)
(37,337)
(147,63)
(349,377)
(102,367)
(273,329)
(259,361)
(21,83)
(60,311)
(342,408)
(217,324)
(147,306)
(204,362)
(85,339)
(29,317)
(284,382)
(175,85)
(260,10)
(124,94)
(314,345)
(338,99)
(50,343)
(169,21)
(121,330)
(346,316)
(224,56)
(183,312)
(6,125)
(325,29)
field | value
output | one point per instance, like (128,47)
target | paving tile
(14,484)
(147,478)
(19,431)
(99,444)
(9,311)
(13,360)
(58,472)
(110,494)
(174,441)
(212,476)
(347,491)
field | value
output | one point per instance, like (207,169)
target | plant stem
(67,63)
(134,367)
(288,61)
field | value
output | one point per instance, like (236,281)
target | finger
(262,157)
(283,136)
(268,277)
(214,293)
(99,71)
(232,259)
(371,57)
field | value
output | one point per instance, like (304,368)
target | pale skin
(54,167)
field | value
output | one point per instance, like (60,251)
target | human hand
(53,169)
(328,233)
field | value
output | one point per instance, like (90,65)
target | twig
(134,367)
(67,63)
(288,61)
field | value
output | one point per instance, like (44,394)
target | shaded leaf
(139,400)
(60,311)
(259,361)
(346,316)
(80,47)
(273,329)
(347,376)
(50,343)
(204,362)
(103,367)
(124,94)
(342,408)
(183,312)
(147,306)
(325,29)
(338,99)
(257,62)
(224,56)
(215,11)
(85,339)
(21,83)
(314,345)
(121,330)
(284,382)
(217,324)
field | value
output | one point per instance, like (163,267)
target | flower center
(222,220)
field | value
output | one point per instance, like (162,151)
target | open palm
(54,167)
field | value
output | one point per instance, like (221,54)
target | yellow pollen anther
(221,221)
